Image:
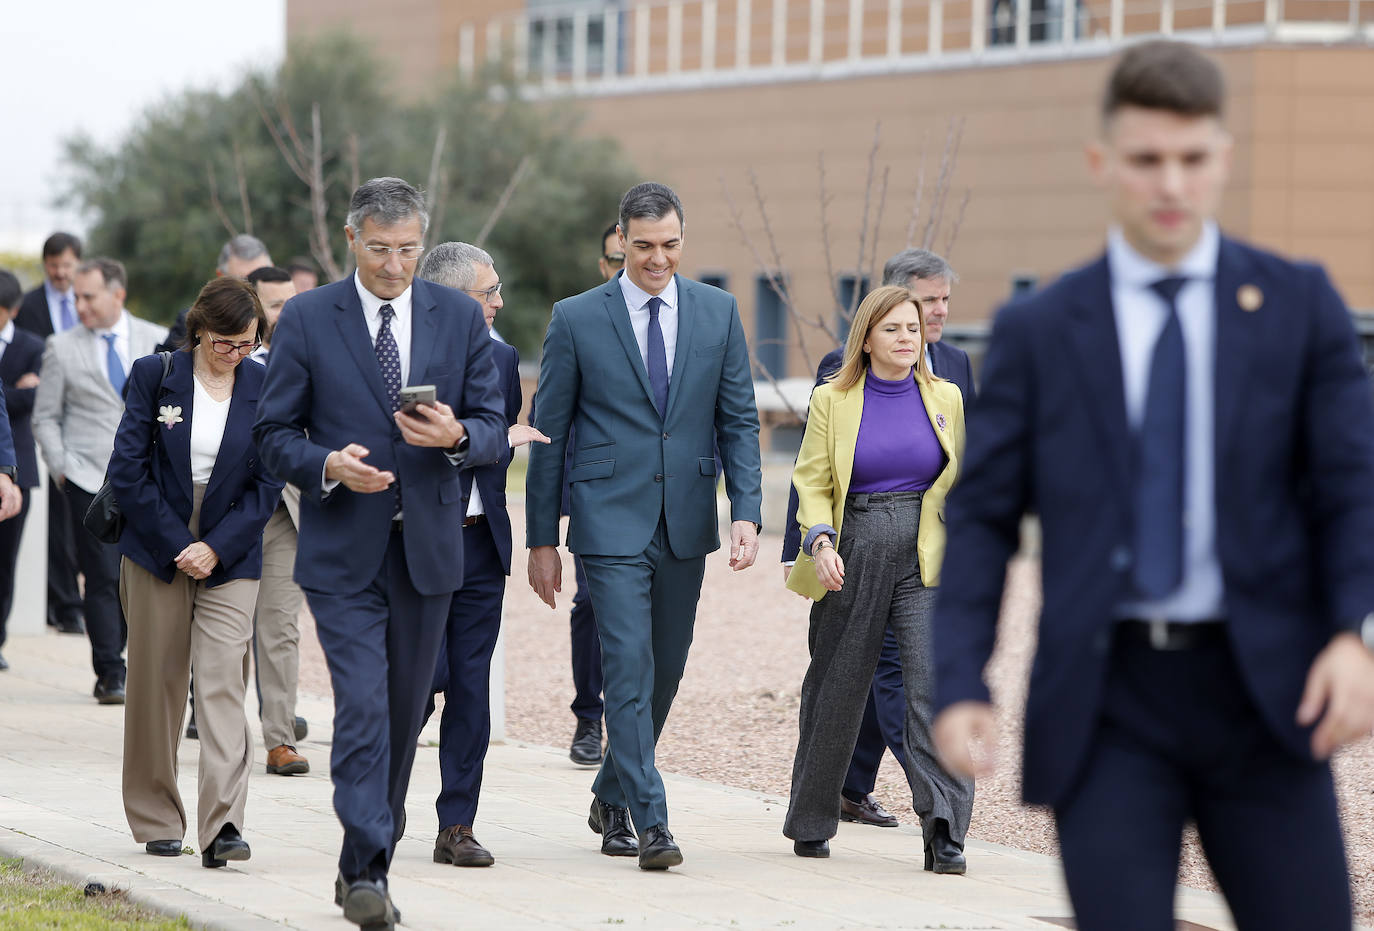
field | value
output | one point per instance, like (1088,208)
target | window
(549,19)
(847,302)
(715,280)
(770,329)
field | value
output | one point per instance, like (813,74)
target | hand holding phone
(412,396)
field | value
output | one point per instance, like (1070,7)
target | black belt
(472,520)
(1172,635)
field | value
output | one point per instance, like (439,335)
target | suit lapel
(686,305)
(1093,336)
(238,427)
(1235,330)
(620,321)
(940,418)
(89,347)
(845,416)
(353,330)
(178,390)
(422,330)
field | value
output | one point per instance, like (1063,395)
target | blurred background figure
(304,274)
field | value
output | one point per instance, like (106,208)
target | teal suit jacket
(630,465)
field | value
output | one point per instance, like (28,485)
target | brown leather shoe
(867,811)
(285,761)
(456,845)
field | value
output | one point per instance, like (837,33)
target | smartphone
(414,395)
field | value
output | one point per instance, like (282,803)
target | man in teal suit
(648,368)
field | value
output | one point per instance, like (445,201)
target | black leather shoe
(163,848)
(659,851)
(341,890)
(400,829)
(820,849)
(109,690)
(301,728)
(586,743)
(458,845)
(227,845)
(943,855)
(72,624)
(866,811)
(613,824)
(367,904)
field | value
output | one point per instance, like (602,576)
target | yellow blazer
(826,462)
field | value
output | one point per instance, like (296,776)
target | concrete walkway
(60,807)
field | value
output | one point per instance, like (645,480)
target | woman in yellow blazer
(880,453)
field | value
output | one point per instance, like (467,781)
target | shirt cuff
(813,533)
(327,484)
(459,453)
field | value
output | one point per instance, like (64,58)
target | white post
(1271,15)
(978,27)
(579,47)
(1068,23)
(641,41)
(467,49)
(1022,24)
(708,35)
(1166,17)
(493,49)
(816,45)
(779,33)
(744,20)
(1219,17)
(936,39)
(674,36)
(610,43)
(894,28)
(1118,27)
(548,61)
(522,48)
(29,614)
(856,29)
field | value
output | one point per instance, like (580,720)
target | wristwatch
(11,471)
(821,543)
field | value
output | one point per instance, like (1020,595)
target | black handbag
(103,519)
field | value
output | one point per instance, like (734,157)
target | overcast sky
(94,65)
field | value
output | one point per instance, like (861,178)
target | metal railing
(617,46)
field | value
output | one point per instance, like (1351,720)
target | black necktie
(658,358)
(1162,458)
(389,358)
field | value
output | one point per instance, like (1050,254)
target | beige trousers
(278,635)
(172,626)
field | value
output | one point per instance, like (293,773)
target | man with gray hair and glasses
(237,258)
(463,672)
(381,547)
(929,278)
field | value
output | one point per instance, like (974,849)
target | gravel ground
(735,717)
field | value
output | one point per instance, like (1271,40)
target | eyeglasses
(489,294)
(615,258)
(227,347)
(407,253)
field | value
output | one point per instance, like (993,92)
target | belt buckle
(1159,633)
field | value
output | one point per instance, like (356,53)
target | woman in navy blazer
(188,479)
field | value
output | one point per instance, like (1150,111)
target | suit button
(667,435)
(1121,557)
(658,478)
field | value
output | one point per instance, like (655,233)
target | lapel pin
(1250,298)
(940,422)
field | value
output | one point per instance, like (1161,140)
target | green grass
(36,899)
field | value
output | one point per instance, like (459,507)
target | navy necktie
(657,358)
(1162,458)
(114,367)
(389,358)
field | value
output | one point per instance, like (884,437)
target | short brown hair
(112,272)
(1164,75)
(225,306)
(878,304)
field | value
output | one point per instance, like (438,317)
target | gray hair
(916,263)
(454,264)
(386,202)
(649,201)
(112,273)
(243,247)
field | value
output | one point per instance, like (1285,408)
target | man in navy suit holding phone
(381,548)
(1190,418)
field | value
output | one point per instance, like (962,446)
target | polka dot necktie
(389,358)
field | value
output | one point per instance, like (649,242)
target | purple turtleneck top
(897,449)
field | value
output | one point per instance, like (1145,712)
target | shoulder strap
(166,355)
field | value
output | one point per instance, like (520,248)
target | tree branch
(501,202)
(243,189)
(215,201)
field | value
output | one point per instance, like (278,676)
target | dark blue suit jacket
(150,474)
(24,354)
(324,390)
(1294,497)
(491,479)
(948,362)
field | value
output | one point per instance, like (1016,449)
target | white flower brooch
(169,415)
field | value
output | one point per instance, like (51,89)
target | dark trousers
(376,642)
(463,674)
(99,564)
(881,728)
(586,652)
(1179,740)
(64,596)
(10,532)
(646,608)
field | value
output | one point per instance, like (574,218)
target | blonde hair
(878,304)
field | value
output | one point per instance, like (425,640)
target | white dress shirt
(400,322)
(1140,315)
(100,349)
(637,302)
(6,337)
